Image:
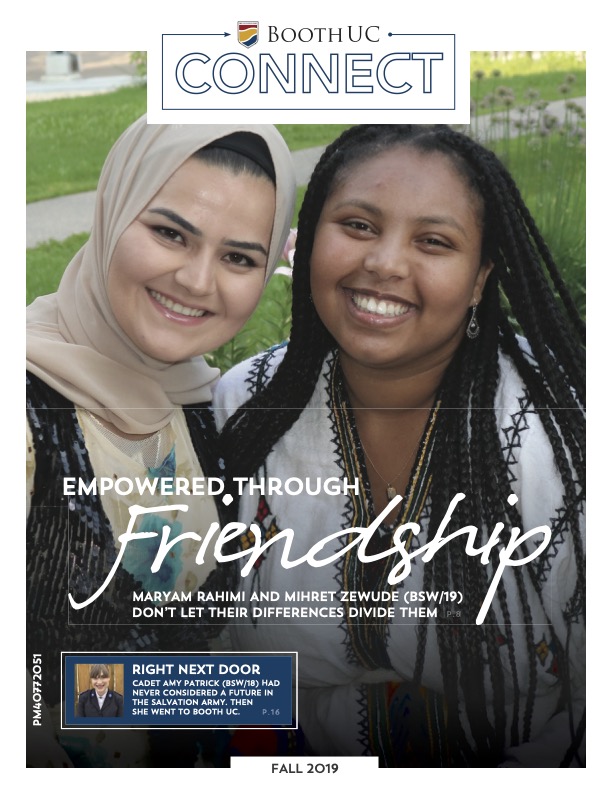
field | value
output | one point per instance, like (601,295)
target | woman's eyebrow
(359,204)
(246,245)
(442,220)
(177,219)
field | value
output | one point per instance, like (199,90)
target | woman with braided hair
(458,431)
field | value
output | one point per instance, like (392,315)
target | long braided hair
(470,458)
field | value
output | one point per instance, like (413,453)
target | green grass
(550,173)
(301,136)
(45,265)
(67,140)
(269,325)
(537,65)
(523,74)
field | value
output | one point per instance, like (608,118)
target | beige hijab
(74,342)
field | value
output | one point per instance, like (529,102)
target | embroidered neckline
(367,638)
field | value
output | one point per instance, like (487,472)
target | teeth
(379,307)
(174,306)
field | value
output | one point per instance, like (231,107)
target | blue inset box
(181,690)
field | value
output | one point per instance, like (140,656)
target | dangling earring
(473,327)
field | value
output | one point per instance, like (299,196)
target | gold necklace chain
(390,489)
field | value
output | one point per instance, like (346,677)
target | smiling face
(100,684)
(189,270)
(396,261)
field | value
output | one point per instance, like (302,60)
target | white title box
(285,74)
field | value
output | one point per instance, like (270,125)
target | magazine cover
(305,451)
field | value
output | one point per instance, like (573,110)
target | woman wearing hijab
(189,223)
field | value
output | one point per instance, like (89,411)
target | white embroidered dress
(346,706)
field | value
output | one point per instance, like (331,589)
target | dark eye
(166,232)
(361,226)
(240,260)
(436,242)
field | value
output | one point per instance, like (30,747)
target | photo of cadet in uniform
(100,701)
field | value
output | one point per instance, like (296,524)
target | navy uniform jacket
(88,705)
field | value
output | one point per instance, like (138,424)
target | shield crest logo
(248,33)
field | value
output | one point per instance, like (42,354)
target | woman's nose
(388,258)
(197,274)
